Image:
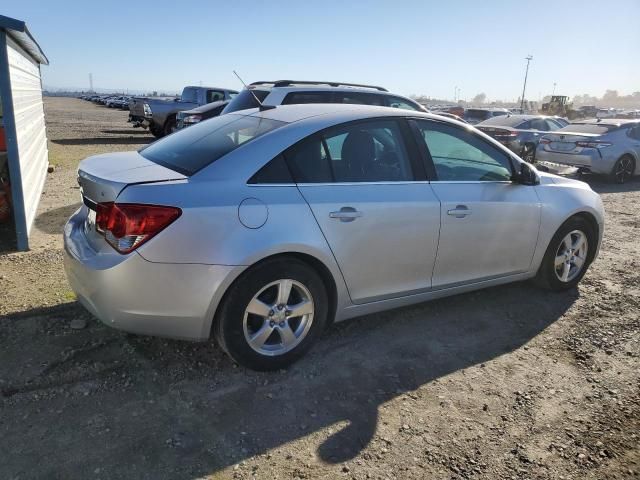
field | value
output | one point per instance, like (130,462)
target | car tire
(528,153)
(170,125)
(559,259)
(156,131)
(623,169)
(258,290)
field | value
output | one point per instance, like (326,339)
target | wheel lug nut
(281,324)
(279,307)
(271,312)
(272,323)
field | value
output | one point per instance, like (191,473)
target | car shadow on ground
(104,141)
(130,131)
(171,409)
(52,221)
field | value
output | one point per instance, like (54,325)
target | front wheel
(568,255)
(623,169)
(170,125)
(272,314)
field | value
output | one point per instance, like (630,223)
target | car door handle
(460,211)
(346,214)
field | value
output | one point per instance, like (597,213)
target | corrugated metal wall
(31,139)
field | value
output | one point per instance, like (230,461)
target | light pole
(554,89)
(528,58)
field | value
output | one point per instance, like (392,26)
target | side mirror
(527,175)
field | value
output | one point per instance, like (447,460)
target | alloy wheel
(278,317)
(623,170)
(571,256)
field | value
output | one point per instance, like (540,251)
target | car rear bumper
(132,294)
(591,161)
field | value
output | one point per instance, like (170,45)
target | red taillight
(126,226)
(593,144)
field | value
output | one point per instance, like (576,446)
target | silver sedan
(261,227)
(608,147)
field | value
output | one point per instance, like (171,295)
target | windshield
(190,150)
(245,99)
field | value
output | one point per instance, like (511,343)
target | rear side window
(524,126)
(474,114)
(245,99)
(276,171)
(190,95)
(295,98)
(397,102)
(370,151)
(193,148)
(359,98)
(539,124)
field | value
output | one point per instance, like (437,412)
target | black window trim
(411,145)
(428,160)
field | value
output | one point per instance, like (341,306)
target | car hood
(547,178)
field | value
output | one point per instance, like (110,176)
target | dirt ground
(505,383)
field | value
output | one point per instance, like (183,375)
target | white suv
(286,92)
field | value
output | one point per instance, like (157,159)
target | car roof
(211,88)
(305,83)
(333,112)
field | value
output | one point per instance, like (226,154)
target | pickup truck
(159,114)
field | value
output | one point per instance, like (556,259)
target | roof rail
(287,83)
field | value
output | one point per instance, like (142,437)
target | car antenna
(262,107)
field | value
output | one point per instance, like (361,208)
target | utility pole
(528,58)
(554,89)
(91,82)
(455,94)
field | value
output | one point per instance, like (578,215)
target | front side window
(370,151)
(460,156)
(193,148)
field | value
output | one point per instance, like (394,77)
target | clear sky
(410,47)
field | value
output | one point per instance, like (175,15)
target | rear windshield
(245,99)
(193,148)
(587,128)
(482,114)
(504,121)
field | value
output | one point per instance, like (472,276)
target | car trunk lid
(567,142)
(103,177)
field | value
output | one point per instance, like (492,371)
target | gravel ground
(509,382)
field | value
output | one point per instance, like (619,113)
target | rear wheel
(568,255)
(623,169)
(272,314)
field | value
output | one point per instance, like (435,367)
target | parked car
(519,133)
(477,115)
(587,111)
(117,102)
(160,115)
(608,147)
(288,92)
(196,115)
(449,115)
(262,228)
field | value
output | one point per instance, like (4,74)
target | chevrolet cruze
(261,227)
